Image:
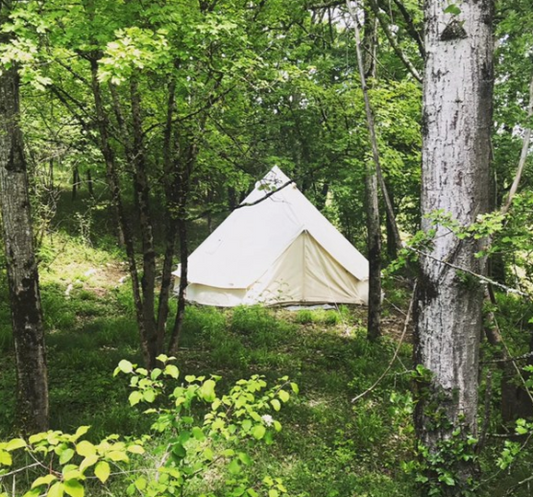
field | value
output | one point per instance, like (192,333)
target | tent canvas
(280,250)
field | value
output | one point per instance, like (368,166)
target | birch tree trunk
(457,113)
(22,274)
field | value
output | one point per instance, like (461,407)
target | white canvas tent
(280,250)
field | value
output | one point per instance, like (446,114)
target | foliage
(189,445)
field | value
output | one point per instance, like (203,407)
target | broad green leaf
(74,488)
(245,458)
(172,371)
(15,443)
(135,449)
(82,430)
(85,448)
(117,456)
(43,480)
(149,395)
(252,493)
(34,492)
(135,397)
(283,395)
(66,456)
(156,373)
(259,432)
(273,493)
(73,473)
(102,471)
(140,484)
(88,462)
(125,366)
(56,490)
(198,433)
(234,467)
(207,391)
(276,404)
(5,458)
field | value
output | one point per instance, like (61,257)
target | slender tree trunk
(141,187)
(455,179)
(170,218)
(75,182)
(372,205)
(22,274)
(113,182)
(90,185)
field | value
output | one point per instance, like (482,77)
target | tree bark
(22,273)
(372,205)
(457,112)
(141,188)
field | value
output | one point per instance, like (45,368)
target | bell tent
(276,248)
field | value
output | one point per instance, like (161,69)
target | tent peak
(274,179)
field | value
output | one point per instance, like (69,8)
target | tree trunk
(22,274)
(372,204)
(141,188)
(457,113)
(125,229)
(75,182)
(90,185)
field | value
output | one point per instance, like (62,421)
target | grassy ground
(328,446)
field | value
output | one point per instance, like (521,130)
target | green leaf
(295,388)
(258,432)
(66,456)
(88,462)
(140,484)
(452,9)
(85,448)
(82,430)
(102,471)
(117,456)
(74,488)
(125,366)
(34,492)
(198,433)
(273,493)
(135,397)
(245,458)
(5,458)
(56,490)
(156,373)
(172,371)
(207,391)
(43,480)
(252,493)
(234,467)
(15,443)
(276,404)
(135,449)
(283,395)
(149,395)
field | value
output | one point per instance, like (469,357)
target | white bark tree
(457,113)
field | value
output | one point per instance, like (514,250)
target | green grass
(328,446)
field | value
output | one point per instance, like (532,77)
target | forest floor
(329,446)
